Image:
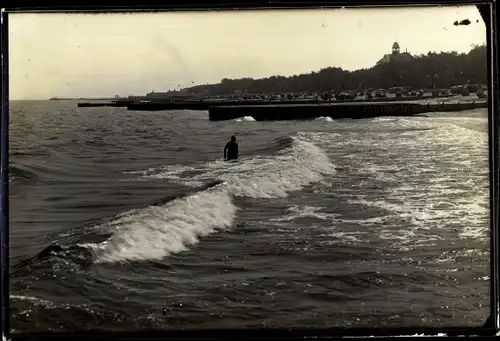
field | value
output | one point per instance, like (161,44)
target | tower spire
(395,48)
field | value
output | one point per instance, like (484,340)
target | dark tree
(431,71)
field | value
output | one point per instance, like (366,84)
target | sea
(128,220)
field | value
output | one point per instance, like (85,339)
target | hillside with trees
(434,70)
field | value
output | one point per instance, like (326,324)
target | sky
(103,55)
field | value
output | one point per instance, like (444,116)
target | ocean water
(125,220)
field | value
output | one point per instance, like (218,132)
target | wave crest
(158,231)
(245,119)
(324,119)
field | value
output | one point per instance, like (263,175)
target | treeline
(434,70)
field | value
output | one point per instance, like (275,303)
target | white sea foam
(29,298)
(385,119)
(305,211)
(324,119)
(453,158)
(158,231)
(245,119)
(39,302)
(291,169)
(431,183)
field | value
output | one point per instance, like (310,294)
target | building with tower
(395,48)
(395,55)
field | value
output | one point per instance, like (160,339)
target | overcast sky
(85,55)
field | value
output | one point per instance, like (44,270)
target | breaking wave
(245,119)
(286,164)
(324,119)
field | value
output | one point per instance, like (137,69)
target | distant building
(395,48)
(173,95)
(395,55)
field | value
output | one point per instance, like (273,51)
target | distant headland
(395,70)
(400,84)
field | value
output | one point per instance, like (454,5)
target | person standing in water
(232,150)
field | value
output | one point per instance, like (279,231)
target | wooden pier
(354,110)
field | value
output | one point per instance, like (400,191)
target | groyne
(160,105)
(205,105)
(108,104)
(202,105)
(301,109)
(354,110)
(116,103)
